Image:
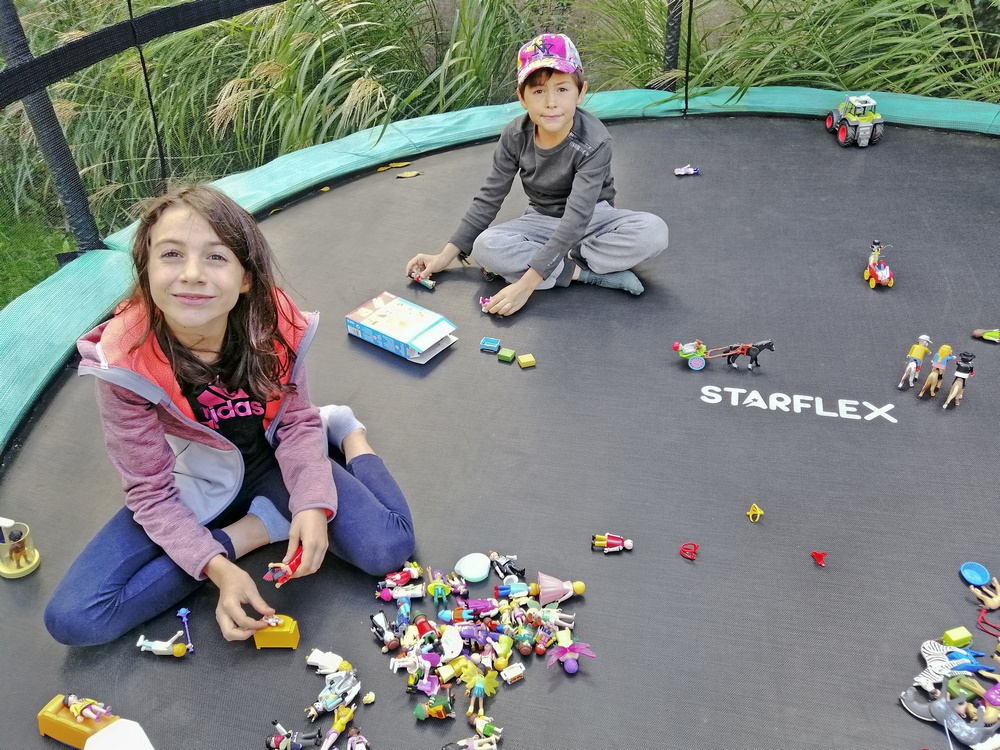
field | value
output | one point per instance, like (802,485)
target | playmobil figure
(207,357)
(473,743)
(571,229)
(356,740)
(284,739)
(610,542)
(438,587)
(569,652)
(458,585)
(987,334)
(877,272)
(340,689)
(428,283)
(85,708)
(551,589)
(939,363)
(485,727)
(963,371)
(341,718)
(687,169)
(941,661)
(163,648)
(281,572)
(409,591)
(441,705)
(384,632)
(504,565)
(327,662)
(914,358)
(17,549)
(18,556)
(478,687)
(557,617)
(410,572)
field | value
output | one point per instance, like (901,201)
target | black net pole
(672,41)
(687,54)
(50,137)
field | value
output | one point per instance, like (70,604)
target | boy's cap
(555,51)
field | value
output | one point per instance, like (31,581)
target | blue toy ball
(975,574)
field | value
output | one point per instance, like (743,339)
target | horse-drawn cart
(697,354)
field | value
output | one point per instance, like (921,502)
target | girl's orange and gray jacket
(178,474)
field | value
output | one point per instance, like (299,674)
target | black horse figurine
(750,350)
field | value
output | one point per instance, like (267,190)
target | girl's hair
(249,358)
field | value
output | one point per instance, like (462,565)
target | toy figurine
(963,371)
(610,542)
(877,272)
(550,589)
(569,652)
(915,358)
(327,662)
(85,708)
(438,587)
(384,632)
(284,739)
(557,617)
(409,591)
(504,565)
(356,740)
(478,686)
(341,717)
(484,303)
(410,572)
(987,334)
(18,555)
(485,727)
(687,169)
(473,743)
(280,572)
(458,585)
(427,283)
(441,705)
(939,363)
(340,689)
(163,648)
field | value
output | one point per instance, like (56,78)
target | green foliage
(27,254)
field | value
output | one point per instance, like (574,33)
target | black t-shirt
(240,419)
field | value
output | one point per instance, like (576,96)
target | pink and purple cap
(555,51)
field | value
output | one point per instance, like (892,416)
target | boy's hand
(309,528)
(513,297)
(236,589)
(425,264)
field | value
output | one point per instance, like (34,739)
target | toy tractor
(856,121)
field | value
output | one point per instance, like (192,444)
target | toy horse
(750,350)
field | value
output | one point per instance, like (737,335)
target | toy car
(688,169)
(856,121)
(877,273)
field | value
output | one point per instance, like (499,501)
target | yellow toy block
(59,723)
(526,360)
(283,635)
(959,637)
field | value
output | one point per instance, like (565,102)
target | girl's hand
(309,528)
(236,589)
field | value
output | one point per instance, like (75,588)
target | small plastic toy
(687,169)
(473,743)
(485,727)
(939,363)
(484,303)
(958,637)
(18,556)
(163,648)
(987,334)
(438,587)
(963,371)
(183,613)
(427,283)
(478,687)
(384,631)
(755,513)
(568,652)
(989,597)
(280,572)
(856,121)
(915,358)
(327,662)
(409,591)
(974,573)
(696,353)
(284,739)
(474,567)
(341,717)
(506,355)
(72,720)
(441,705)
(551,589)
(819,558)
(513,673)
(410,572)
(340,688)
(877,273)
(282,633)
(368,698)
(526,360)
(489,345)
(356,740)
(504,565)
(610,542)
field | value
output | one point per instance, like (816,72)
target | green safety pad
(79,295)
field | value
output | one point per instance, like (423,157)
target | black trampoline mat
(752,645)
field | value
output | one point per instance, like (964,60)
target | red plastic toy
(689,550)
(281,573)
(820,558)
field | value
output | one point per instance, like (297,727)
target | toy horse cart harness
(697,354)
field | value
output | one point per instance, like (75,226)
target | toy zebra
(942,660)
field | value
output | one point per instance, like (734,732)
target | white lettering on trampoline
(846,408)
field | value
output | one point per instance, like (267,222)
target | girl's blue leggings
(122,579)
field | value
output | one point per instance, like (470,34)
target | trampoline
(750,645)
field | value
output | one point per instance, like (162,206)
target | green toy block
(959,637)
(506,355)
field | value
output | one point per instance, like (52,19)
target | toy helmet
(966,357)
(925,338)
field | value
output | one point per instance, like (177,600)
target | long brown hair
(249,358)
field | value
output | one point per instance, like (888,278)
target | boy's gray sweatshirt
(565,182)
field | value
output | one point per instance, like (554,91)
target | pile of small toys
(472,643)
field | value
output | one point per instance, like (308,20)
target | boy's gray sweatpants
(616,240)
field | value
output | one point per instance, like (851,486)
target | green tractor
(856,121)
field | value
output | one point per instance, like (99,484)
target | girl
(202,393)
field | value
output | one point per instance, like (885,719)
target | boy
(570,230)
